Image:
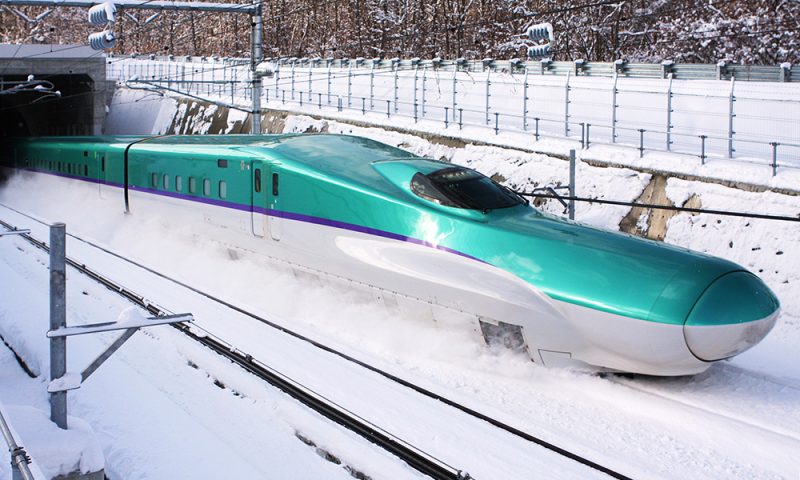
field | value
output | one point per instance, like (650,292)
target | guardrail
(19,458)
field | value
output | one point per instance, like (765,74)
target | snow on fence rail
(747,121)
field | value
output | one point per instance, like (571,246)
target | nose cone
(734,313)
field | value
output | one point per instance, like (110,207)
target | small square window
(192,185)
(223,189)
(207,187)
(222,163)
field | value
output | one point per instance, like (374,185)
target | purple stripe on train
(273,213)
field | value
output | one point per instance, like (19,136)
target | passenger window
(223,189)
(257,181)
(103,164)
(275,184)
(154,180)
(166,182)
(86,170)
(178,183)
(207,187)
(192,185)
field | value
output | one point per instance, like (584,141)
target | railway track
(417,459)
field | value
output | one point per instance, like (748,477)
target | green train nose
(750,311)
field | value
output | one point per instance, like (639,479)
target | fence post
(455,84)
(731,114)
(301,98)
(283,97)
(339,103)
(424,88)
(496,123)
(641,142)
(446,116)
(488,94)
(525,101)
(703,149)
(329,84)
(588,125)
(669,114)
(566,105)
(396,75)
(388,108)
(372,87)
(58,319)
(310,88)
(460,118)
(774,158)
(583,135)
(572,184)
(416,72)
(614,108)
(319,101)
(536,129)
(292,82)
(363,106)
(349,84)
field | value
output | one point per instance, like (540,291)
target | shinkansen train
(408,226)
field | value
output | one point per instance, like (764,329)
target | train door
(258,190)
(274,203)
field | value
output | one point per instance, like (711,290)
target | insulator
(539,51)
(102,40)
(102,14)
(540,31)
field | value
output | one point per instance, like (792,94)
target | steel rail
(423,391)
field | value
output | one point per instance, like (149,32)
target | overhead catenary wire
(762,216)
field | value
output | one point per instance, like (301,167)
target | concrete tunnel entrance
(76,71)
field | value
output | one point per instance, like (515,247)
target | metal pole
(460,118)
(536,131)
(424,81)
(583,135)
(396,74)
(614,108)
(496,123)
(58,319)
(349,84)
(774,158)
(488,94)
(731,114)
(310,89)
(572,184)
(641,142)
(291,82)
(257,55)
(416,72)
(703,149)
(525,101)
(329,84)
(19,457)
(455,89)
(446,116)
(669,114)
(388,108)
(372,87)
(566,105)
(588,126)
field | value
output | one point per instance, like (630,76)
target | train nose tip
(734,313)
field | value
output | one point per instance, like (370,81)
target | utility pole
(257,54)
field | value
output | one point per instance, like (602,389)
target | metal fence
(746,121)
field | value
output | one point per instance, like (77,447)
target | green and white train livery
(358,209)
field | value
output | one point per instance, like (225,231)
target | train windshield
(463,188)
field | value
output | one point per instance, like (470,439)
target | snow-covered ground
(158,416)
